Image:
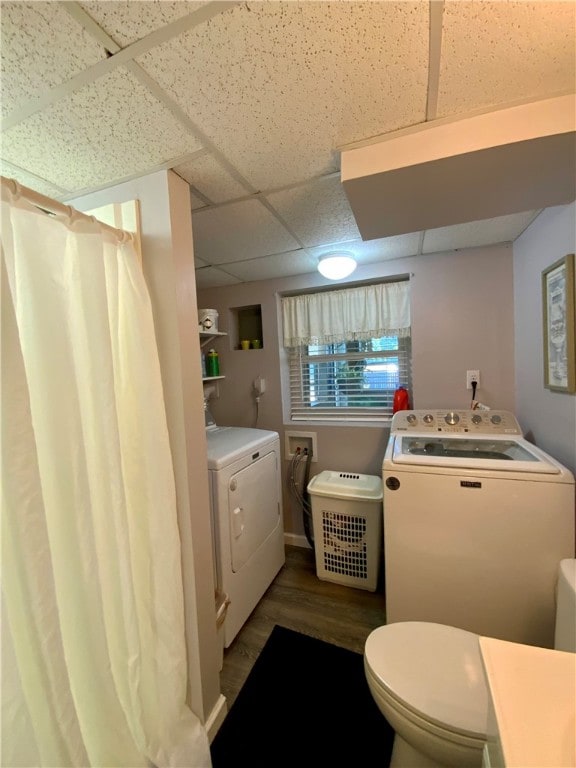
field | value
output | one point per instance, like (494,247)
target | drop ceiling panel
(370,251)
(278,86)
(212,277)
(211,179)
(196,202)
(28,180)
(274,89)
(280,265)
(318,212)
(129,21)
(498,52)
(110,128)
(238,232)
(42,46)
(503,229)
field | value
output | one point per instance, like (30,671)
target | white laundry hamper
(347,524)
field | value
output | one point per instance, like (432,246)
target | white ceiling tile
(212,277)
(503,229)
(196,202)
(211,179)
(129,21)
(237,232)
(42,46)
(280,265)
(32,182)
(497,52)
(370,251)
(318,212)
(274,88)
(279,86)
(107,130)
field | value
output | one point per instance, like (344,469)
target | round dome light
(336,266)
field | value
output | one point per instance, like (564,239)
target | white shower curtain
(93,653)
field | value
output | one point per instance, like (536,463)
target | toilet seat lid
(434,670)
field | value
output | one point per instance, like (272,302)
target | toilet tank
(565,631)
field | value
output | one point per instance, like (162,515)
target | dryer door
(254,508)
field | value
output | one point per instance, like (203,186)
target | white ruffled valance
(350,314)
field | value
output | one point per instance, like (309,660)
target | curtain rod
(53,206)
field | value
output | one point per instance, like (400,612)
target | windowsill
(340,424)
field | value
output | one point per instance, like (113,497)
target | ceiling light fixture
(337,265)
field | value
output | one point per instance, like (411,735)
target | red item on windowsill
(401,400)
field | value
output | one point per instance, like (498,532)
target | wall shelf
(206,337)
(246,325)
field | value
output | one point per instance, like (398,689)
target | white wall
(168,263)
(462,318)
(548,417)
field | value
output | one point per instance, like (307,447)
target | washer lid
(466,452)
(433,669)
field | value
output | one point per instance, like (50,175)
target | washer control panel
(457,422)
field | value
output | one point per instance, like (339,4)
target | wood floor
(297,599)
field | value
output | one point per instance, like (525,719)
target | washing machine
(476,521)
(247,526)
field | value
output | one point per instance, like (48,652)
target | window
(348,380)
(349,350)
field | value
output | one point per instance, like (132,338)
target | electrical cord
(474,384)
(257,401)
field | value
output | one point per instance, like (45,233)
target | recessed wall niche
(246,327)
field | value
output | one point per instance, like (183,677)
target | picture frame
(558,316)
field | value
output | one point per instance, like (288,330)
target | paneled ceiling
(252,104)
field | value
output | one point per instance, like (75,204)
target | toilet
(428,681)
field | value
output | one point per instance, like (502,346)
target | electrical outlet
(472,376)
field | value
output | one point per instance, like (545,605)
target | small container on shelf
(212,363)
(208,320)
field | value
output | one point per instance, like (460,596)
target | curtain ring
(14,187)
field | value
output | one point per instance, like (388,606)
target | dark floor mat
(305,703)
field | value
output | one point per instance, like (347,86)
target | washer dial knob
(476,419)
(496,419)
(452,418)
(411,419)
(428,418)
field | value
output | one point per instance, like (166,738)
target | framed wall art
(559,340)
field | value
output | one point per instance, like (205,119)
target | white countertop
(533,699)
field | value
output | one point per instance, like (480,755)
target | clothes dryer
(476,521)
(247,525)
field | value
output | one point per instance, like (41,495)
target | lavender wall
(462,318)
(548,417)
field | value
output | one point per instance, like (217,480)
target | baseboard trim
(296,540)
(216,717)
